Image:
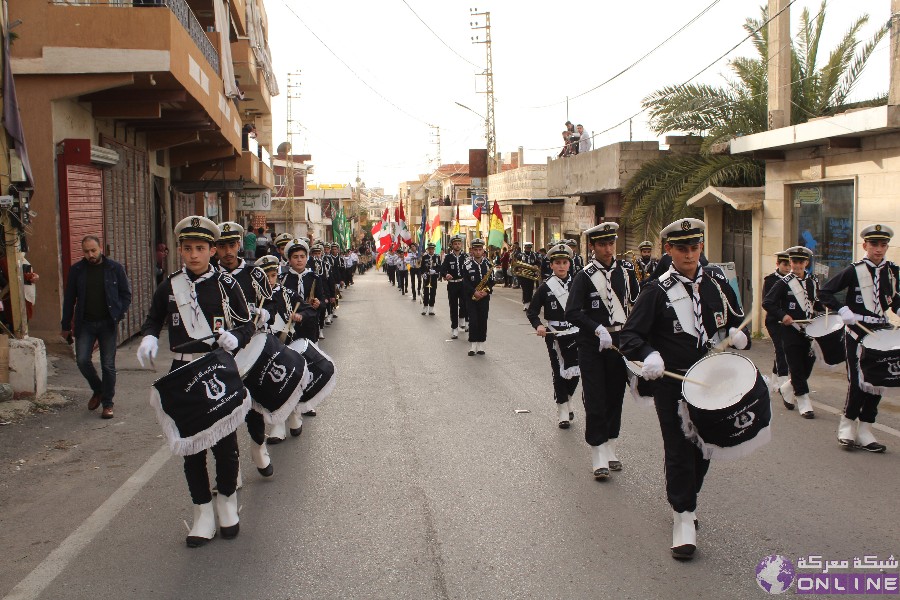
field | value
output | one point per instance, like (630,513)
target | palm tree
(659,191)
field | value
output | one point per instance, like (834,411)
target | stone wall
(525,183)
(605,169)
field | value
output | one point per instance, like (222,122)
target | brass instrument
(520,269)
(633,257)
(482,285)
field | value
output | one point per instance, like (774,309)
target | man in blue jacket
(97,296)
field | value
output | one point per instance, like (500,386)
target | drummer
(871,285)
(551,297)
(194,300)
(773,326)
(795,298)
(675,321)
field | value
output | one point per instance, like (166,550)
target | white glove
(849,317)
(606,340)
(227,339)
(148,349)
(738,338)
(265,316)
(653,366)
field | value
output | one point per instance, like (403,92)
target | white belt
(187,357)
(614,328)
(454,280)
(558,323)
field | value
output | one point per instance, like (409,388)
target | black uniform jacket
(544,299)
(430,262)
(474,272)
(453,265)
(780,300)
(586,307)
(846,280)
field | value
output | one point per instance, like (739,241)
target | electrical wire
(439,37)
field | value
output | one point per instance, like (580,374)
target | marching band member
(390,265)
(279,242)
(546,268)
(529,257)
(304,324)
(551,297)
(402,273)
(648,264)
(675,321)
(600,298)
(317,264)
(412,261)
(577,259)
(795,298)
(478,283)
(871,285)
(773,326)
(195,301)
(430,268)
(255,286)
(452,268)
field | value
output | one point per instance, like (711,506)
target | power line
(436,35)
(637,62)
(349,68)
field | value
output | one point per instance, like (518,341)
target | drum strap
(601,278)
(192,316)
(801,295)
(682,304)
(559,290)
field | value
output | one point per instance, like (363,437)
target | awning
(738,198)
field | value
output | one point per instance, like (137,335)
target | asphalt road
(418,479)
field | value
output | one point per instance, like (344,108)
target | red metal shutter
(80,208)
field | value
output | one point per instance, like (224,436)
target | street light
(469,109)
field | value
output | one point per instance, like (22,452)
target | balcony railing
(179,8)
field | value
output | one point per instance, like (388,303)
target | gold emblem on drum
(215,389)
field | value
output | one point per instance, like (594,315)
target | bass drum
(879,358)
(828,332)
(727,413)
(323,379)
(274,375)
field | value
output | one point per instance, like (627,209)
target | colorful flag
(455,229)
(423,229)
(403,232)
(436,233)
(495,236)
(477,214)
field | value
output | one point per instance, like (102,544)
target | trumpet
(483,284)
(520,269)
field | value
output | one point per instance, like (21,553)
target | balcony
(244,168)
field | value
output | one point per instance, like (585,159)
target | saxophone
(483,284)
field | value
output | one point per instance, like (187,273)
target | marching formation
(244,337)
(661,328)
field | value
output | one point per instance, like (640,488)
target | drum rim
(710,356)
(879,333)
(823,319)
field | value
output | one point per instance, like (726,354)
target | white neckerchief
(876,288)
(560,289)
(807,307)
(698,310)
(236,270)
(196,312)
(608,277)
(300,289)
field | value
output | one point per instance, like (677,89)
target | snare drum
(729,417)
(201,402)
(274,374)
(879,358)
(641,389)
(828,332)
(323,377)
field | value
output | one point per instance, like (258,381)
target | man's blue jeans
(104,333)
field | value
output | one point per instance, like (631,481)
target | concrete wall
(525,183)
(601,170)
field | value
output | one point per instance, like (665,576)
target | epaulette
(590,269)
(225,278)
(787,278)
(666,283)
(718,276)
(627,265)
(258,273)
(174,273)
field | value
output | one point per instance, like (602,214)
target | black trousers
(458,307)
(478,317)
(392,272)
(562,388)
(603,379)
(859,404)
(685,466)
(349,273)
(403,280)
(415,281)
(800,358)
(256,427)
(527,289)
(226,454)
(780,366)
(429,289)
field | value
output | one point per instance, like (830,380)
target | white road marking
(56,562)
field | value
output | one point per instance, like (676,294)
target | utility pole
(436,140)
(779,70)
(292,94)
(490,133)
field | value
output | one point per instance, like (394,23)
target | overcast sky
(542,52)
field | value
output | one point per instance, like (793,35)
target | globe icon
(775,574)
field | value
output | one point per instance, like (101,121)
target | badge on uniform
(676,326)
(720,319)
(218,323)
(176,319)
(792,305)
(859,299)
(553,305)
(595,304)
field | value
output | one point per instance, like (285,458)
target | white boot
(472,347)
(805,407)
(866,440)
(480,348)
(787,394)
(454,333)
(227,511)
(571,413)
(260,455)
(466,325)
(204,526)
(563,415)
(614,463)
(684,535)
(295,423)
(277,433)
(847,432)
(600,461)
(524,306)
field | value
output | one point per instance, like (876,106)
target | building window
(823,222)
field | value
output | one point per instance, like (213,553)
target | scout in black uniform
(279,242)
(402,273)
(646,264)
(317,265)
(795,297)
(871,286)
(430,269)
(551,297)
(600,299)
(529,257)
(212,301)
(412,259)
(478,272)
(577,259)
(452,272)
(773,324)
(255,286)
(675,321)
(303,324)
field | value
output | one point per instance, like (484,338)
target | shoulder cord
(725,303)
(230,315)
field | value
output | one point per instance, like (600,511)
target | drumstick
(863,327)
(721,345)
(287,326)
(667,373)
